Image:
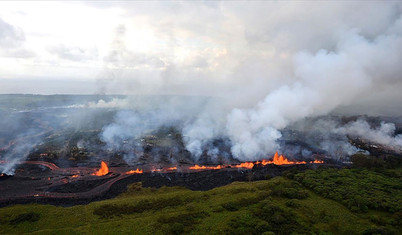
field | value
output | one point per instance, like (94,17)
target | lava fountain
(104,170)
(280,160)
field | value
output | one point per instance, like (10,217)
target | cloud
(12,41)
(73,53)
(125,59)
(198,62)
(10,36)
(121,57)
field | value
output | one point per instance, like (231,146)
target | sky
(173,47)
(70,42)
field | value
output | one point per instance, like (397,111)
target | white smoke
(19,151)
(114,103)
(323,81)
(383,134)
(281,63)
(332,134)
(207,126)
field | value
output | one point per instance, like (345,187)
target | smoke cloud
(340,61)
(324,81)
(383,134)
(18,153)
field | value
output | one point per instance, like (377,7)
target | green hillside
(311,202)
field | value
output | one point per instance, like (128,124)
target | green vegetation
(358,189)
(376,162)
(330,201)
(29,217)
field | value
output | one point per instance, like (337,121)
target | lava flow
(64,185)
(137,171)
(197,167)
(104,170)
(171,168)
(276,160)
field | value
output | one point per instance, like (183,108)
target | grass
(275,206)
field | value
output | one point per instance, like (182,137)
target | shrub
(25,217)
(293,203)
(290,174)
(186,218)
(379,230)
(268,233)
(230,206)
(110,210)
(241,190)
(381,220)
(289,190)
(247,224)
(176,228)
(281,220)
(242,202)
(397,216)
(218,209)
(180,223)
(358,189)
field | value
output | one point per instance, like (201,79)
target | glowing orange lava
(277,160)
(164,169)
(280,160)
(103,170)
(137,171)
(75,176)
(198,167)
(247,165)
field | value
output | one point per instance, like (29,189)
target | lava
(66,179)
(198,167)
(137,171)
(276,160)
(247,165)
(164,169)
(171,168)
(104,170)
(280,160)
